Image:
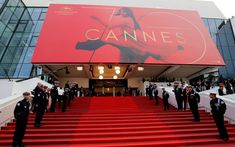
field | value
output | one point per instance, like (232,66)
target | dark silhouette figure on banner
(134,51)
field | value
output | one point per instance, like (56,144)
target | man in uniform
(150,91)
(156,94)
(54,96)
(193,99)
(218,108)
(178,96)
(41,106)
(21,114)
(165,97)
(66,97)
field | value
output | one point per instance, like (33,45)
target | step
(120,140)
(116,129)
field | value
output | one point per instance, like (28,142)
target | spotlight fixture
(101,77)
(101,71)
(118,71)
(117,68)
(115,77)
(100,67)
(79,68)
(140,68)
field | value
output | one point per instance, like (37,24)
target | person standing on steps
(41,107)
(65,97)
(150,92)
(156,94)
(218,108)
(178,95)
(21,114)
(193,99)
(54,96)
(165,97)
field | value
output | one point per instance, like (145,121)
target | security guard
(54,96)
(41,106)
(218,108)
(165,97)
(21,114)
(66,97)
(193,99)
(156,94)
(178,95)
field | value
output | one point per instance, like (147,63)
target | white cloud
(227,7)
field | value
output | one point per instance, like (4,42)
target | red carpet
(118,122)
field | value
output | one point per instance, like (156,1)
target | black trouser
(179,103)
(195,112)
(69,99)
(166,104)
(219,121)
(185,102)
(60,98)
(150,96)
(64,106)
(156,98)
(53,103)
(39,114)
(21,124)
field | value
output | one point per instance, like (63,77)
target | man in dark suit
(218,108)
(21,114)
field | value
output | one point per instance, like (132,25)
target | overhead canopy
(77,34)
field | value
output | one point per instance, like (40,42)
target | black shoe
(15,144)
(37,125)
(21,145)
(225,139)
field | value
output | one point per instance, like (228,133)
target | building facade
(21,23)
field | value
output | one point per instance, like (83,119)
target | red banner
(108,34)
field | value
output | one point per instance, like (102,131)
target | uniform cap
(212,93)
(26,94)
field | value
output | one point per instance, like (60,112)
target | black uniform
(178,97)
(194,99)
(21,114)
(185,98)
(54,96)
(41,108)
(156,95)
(150,92)
(165,97)
(66,97)
(37,94)
(218,108)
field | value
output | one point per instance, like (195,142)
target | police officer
(150,91)
(193,99)
(218,108)
(178,96)
(54,96)
(21,114)
(156,94)
(37,94)
(41,106)
(165,97)
(66,96)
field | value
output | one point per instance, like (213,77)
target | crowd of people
(186,95)
(46,99)
(42,99)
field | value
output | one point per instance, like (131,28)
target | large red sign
(109,34)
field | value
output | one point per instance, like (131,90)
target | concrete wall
(200,6)
(6,88)
(84,82)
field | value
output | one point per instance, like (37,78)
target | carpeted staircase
(118,122)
